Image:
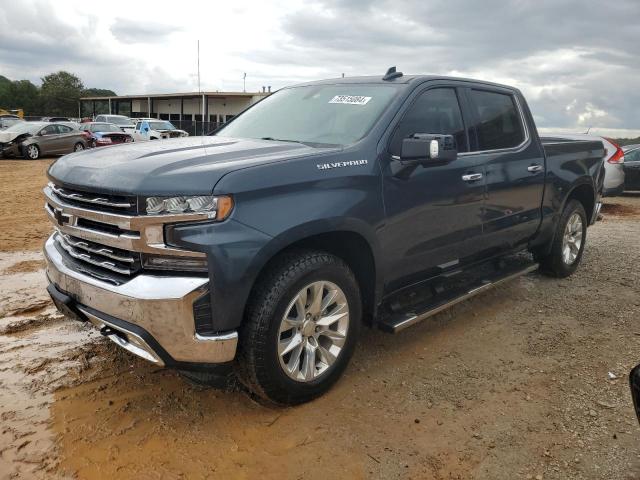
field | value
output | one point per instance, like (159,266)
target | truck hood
(180,166)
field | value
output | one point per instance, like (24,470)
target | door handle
(471,177)
(534,168)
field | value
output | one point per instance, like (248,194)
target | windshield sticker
(350,99)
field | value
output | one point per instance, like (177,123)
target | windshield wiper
(281,140)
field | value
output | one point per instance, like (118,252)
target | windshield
(323,114)
(119,120)
(25,127)
(9,121)
(161,126)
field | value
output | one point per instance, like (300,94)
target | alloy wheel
(32,152)
(313,331)
(572,239)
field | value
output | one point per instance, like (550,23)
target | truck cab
(264,248)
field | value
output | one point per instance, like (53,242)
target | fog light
(183,264)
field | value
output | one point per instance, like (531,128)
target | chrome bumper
(161,306)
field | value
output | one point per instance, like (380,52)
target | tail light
(617,157)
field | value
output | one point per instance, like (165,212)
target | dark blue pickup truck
(264,247)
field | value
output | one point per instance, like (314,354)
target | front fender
(238,253)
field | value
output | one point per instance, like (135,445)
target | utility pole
(200,92)
(244,82)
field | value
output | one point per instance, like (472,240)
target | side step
(396,322)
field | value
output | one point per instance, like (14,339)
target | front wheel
(301,328)
(32,152)
(78,147)
(568,243)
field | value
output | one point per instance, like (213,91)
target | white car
(125,123)
(153,129)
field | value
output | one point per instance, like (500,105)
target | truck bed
(561,148)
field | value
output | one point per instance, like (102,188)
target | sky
(577,62)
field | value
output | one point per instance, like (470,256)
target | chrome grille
(103,236)
(113,260)
(111,203)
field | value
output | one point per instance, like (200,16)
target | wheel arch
(349,245)
(586,195)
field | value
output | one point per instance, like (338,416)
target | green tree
(24,94)
(97,92)
(60,92)
(5,84)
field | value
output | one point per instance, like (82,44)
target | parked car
(153,129)
(100,134)
(125,123)
(7,121)
(265,247)
(55,119)
(632,167)
(31,140)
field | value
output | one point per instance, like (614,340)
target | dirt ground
(526,382)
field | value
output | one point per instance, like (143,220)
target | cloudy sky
(578,62)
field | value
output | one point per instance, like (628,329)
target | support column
(109,106)
(93,108)
(149,107)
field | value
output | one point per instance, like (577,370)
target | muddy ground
(529,381)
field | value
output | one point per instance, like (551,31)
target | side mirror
(429,148)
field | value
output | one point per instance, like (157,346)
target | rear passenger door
(514,166)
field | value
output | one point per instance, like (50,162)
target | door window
(50,130)
(632,156)
(498,122)
(64,129)
(435,111)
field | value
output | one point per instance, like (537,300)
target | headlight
(217,208)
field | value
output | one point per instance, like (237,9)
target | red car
(100,134)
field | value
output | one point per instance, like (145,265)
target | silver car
(32,140)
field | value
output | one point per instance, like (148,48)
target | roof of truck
(404,79)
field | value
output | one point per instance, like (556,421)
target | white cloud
(573,71)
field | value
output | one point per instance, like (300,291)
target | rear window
(498,122)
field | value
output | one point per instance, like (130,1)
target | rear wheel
(568,243)
(301,328)
(32,152)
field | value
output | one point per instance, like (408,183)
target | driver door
(433,211)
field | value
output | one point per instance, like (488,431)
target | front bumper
(151,316)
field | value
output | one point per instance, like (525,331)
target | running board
(399,321)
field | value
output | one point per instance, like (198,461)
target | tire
(557,263)
(31,152)
(320,350)
(78,147)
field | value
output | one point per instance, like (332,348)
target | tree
(97,92)
(60,92)
(20,94)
